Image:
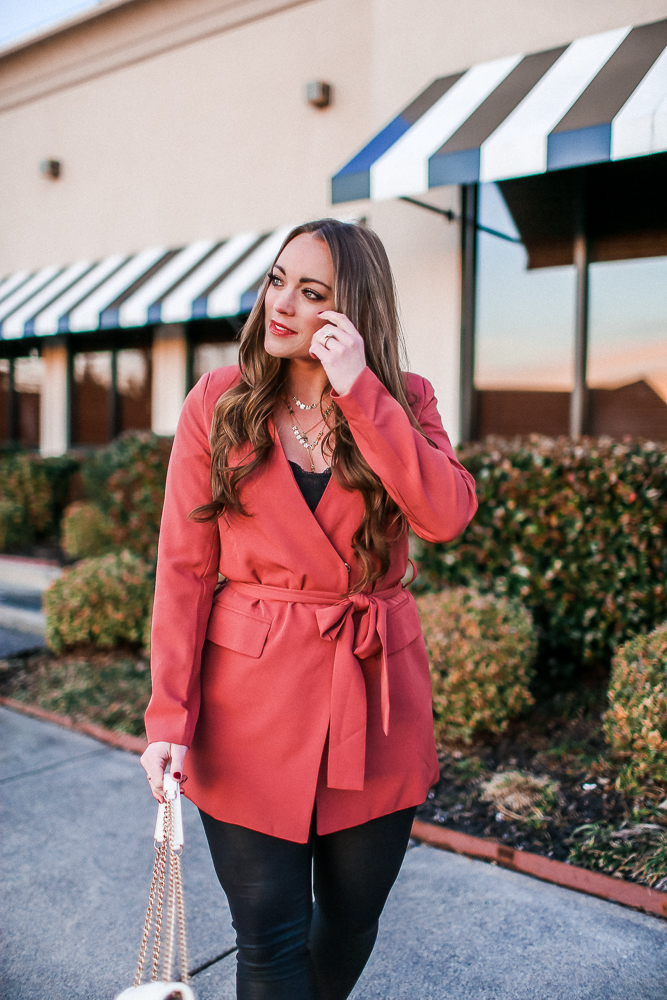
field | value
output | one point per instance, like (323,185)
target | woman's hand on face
(154,761)
(340,348)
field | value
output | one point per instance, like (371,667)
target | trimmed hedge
(576,530)
(104,601)
(481,650)
(636,722)
(127,481)
(86,531)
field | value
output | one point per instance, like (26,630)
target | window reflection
(210,356)
(627,348)
(133,381)
(524,348)
(28,389)
(91,398)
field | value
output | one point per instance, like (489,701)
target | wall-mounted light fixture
(318,93)
(51,168)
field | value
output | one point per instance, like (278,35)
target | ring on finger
(327,336)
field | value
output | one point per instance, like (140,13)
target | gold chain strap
(161,850)
(171,906)
(182,943)
(164,853)
(157,940)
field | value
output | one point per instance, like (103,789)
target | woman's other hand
(154,761)
(340,348)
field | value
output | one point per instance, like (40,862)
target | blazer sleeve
(187,574)
(431,487)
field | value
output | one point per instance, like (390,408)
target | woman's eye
(275,279)
(313,296)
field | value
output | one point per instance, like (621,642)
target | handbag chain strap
(165,856)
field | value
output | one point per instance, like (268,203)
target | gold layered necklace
(302,436)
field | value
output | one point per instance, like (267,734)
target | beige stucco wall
(424,252)
(414,43)
(205,140)
(182,119)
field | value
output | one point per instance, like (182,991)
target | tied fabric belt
(354,642)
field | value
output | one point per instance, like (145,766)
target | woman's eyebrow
(313,281)
(304,281)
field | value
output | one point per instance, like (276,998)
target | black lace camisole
(311,484)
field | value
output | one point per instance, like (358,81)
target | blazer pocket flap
(237,630)
(403,626)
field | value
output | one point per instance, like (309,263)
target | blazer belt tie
(354,641)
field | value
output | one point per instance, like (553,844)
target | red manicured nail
(177,775)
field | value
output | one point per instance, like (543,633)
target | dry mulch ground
(109,689)
(579,816)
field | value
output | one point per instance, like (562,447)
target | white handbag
(166,878)
(158,991)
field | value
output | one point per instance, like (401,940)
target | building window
(627,348)
(524,345)
(606,223)
(206,357)
(20,397)
(111,393)
(27,396)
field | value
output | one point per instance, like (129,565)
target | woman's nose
(284,303)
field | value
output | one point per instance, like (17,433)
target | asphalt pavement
(14,642)
(76,827)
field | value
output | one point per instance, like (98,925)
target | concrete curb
(637,897)
(122,741)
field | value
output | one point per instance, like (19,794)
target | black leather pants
(289,947)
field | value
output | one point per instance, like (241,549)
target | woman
(300,688)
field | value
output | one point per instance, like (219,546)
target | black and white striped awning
(603,97)
(158,285)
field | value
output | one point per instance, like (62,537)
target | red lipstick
(278,330)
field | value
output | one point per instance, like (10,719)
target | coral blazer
(289,694)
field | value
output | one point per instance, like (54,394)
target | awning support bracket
(453,217)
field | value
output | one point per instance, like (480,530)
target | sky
(22,17)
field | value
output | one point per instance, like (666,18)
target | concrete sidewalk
(77,854)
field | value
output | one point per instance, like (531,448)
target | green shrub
(576,530)
(86,531)
(15,530)
(126,480)
(636,722)
(103,601)
(33,492)
(481,650)
(59,472)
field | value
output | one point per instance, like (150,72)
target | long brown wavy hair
(364,291)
